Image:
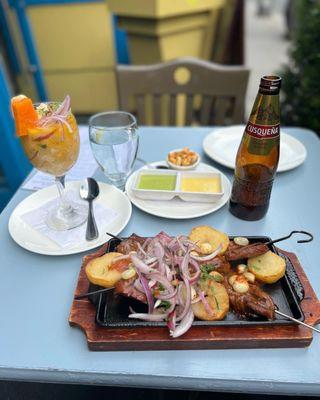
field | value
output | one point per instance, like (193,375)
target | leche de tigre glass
(54,149)
(114,142)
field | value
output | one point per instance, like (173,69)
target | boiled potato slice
(267,268)
(98,270)
(204,235)
(218,299)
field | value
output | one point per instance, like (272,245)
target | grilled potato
(208,239)
(218,299)
(98,270)
(267,268)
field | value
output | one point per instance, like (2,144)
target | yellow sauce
(207,185)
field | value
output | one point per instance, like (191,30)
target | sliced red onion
(149,317)
(64,107)
(140,265)
(157,303)
(177,260)
(152,260)
(187,302)
(183,249)
(138,286)
(197,271)
(168,272)
(209,256)
(147,292)
(158,250)
(205,303)
(167,296)
(141,250)
(163,237)
(184,266)
(164,282)
(172,242)
(151,283)
(179,294)
(171,323)
(174,246)
(184,325)
(54,118)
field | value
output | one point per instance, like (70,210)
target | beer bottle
(258,154)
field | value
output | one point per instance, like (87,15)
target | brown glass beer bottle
(258,154)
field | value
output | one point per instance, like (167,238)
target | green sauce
(157,182)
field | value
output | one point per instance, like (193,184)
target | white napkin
(36,219)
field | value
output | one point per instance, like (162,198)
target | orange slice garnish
(25,116)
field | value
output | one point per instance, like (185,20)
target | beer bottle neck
(266,109)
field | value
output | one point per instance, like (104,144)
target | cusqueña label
(263,131)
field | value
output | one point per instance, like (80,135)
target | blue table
(37,343)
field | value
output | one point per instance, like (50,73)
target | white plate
(176,208)
(34,241)
(222,145)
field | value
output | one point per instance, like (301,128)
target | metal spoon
(89,190)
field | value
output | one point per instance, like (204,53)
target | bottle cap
(270,83)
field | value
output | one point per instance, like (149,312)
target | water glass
(114,142)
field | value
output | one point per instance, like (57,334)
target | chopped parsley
(161,288)
(43,146)
(217,303)
(207,268)
(165,304)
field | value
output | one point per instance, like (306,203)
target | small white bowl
(181,167)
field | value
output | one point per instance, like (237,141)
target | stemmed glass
(114,142)
(52,146)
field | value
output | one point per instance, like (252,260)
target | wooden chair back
(211,94)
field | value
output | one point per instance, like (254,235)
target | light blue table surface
(36,292)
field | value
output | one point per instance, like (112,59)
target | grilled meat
(130,244)
(236,252)
(126,288)
(221,265)
(252,303)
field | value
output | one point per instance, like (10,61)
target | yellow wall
(75,45)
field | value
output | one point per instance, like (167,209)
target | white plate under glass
(32,240)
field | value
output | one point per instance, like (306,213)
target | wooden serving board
(99,338)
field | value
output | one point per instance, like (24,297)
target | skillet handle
(310,304)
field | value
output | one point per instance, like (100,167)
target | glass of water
(114,142)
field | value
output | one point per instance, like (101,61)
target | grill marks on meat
(236,252)
(130,244)
(126,288)
(254,302)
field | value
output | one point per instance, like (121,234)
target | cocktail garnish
(60,115)
(25,116)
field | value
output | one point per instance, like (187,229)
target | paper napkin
(36,219)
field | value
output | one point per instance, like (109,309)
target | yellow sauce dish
(194,186)
(201,184)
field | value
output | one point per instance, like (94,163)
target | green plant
(301,79)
